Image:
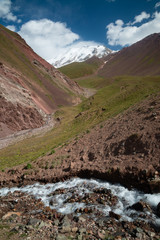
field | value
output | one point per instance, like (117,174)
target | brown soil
(124,149)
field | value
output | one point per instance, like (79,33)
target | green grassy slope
(12,55)
(106,103)
(81,69)
(95,82)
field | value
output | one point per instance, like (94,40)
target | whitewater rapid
(126,198)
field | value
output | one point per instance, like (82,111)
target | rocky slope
(79,53)
(140,59)
(124,149)
(30,87)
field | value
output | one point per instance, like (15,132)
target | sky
(52,26)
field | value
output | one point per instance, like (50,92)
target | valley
(89,125)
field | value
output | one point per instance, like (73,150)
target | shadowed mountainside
(140,59)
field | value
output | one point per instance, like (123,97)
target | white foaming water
(126,198)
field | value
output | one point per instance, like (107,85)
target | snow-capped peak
(78,53)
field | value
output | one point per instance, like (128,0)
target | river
(59,195)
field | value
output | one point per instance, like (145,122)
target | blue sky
(58,24)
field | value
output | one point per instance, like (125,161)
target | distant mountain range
(79,53)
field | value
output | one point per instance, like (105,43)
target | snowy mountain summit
(79,53)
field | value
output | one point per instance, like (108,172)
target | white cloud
(46,37)
(5,10)
(11,27)
(141,17)
(127,34)
(119,22)
(157,5)
(53,40)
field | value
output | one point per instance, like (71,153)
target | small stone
(152,234)
(74,230)
(30,227)
(56,222)
(139,235)
(33,221)
(81,219)
(100,222)
(36,211)
(14,230)
(101,234)
(61,237)
(66,226)
(139,230)
(66,229)
(44,224)
(80,237)
(11,214)
(82,230)
(111,229)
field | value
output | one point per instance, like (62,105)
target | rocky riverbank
(80,214)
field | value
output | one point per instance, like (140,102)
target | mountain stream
(76,194)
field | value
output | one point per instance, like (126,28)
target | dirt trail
(88,92)
(91,75)
(49,124)
(21,135)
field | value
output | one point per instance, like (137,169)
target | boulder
(141,206)
(114,215)
(158,209)
(11,214)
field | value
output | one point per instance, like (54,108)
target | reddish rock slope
(29,86)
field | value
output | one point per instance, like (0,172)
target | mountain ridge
(79,54)
(140,59)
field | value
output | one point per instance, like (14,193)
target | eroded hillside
(30,87)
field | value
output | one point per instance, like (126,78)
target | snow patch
(79,53)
